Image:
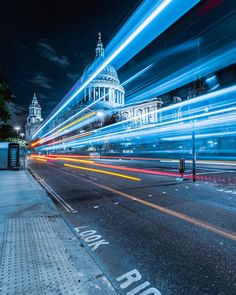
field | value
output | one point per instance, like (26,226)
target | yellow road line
(104,172)
(197,222)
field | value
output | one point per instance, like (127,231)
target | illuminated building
(106,84)
(105,87)
(34,118)
(143,113)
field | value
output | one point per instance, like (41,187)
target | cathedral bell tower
(34,118)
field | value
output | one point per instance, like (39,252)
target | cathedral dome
(106,86)
(108,73)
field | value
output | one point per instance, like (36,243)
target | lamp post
(194,155)
(17,128)
(100,114)
(22,135)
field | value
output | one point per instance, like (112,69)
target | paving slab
(39,252)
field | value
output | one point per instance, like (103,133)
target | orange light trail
(62,129)
(199,223)
(139,170)
(71,138)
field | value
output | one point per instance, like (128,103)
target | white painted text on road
(91,237)
(128,280)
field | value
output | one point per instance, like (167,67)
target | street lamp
(22,135)
(17,128)
(100,114)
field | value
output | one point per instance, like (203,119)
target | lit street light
(22,135)
(100,114)
(17,130)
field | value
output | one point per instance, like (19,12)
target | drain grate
(34,260)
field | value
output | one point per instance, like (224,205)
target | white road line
(93,178)
(65,205)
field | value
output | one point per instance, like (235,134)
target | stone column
(117,96)
(94,93)
(88,94)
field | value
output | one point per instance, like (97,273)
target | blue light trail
(221,112)
(152,10)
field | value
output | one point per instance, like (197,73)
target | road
(148,232)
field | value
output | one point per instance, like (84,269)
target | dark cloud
(46,46)
(73,77)
(42,96)
(20,45)
(41,81)
(49,53)
(18,114)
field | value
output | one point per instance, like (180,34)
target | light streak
(104,172)
(199,223)
(72,160)
(197,136)
(210,64)
(189,102)
(77,121)
(146,171)
(135,76)
(203,98)
(71,138)
(120,135)
(162,5)
(39,159)
(56,134)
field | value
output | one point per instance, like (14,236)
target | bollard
(182,167)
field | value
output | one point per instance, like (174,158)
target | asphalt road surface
(150,233)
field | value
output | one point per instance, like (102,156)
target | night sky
(45,45)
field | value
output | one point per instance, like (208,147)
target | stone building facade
(34,118)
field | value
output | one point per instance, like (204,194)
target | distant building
(34,118)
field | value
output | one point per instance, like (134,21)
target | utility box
(13,156)
(9,155)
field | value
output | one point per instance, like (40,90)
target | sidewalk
(39,252)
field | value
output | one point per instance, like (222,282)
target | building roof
(108,74)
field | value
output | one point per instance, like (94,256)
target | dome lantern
(106,86)
(99,49)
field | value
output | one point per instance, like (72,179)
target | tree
(5,97)
(6,131)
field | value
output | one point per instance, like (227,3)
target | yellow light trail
(65,127)
(71,137)
(104,172)
(73,160)
(39,159)
(199,223)
(76,121)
